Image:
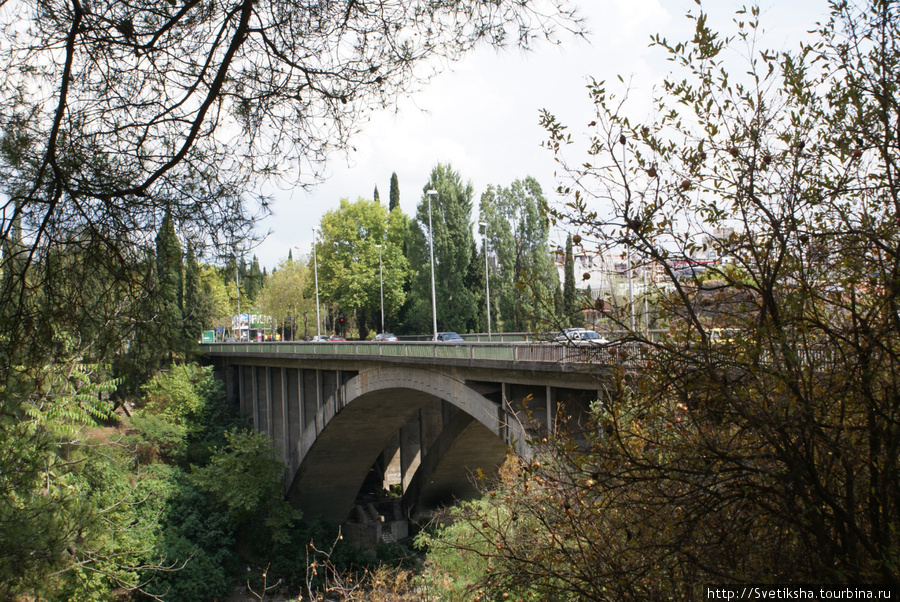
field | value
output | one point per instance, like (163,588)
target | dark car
(385,337)
(449,337)
(336,339)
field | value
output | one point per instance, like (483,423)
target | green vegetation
(349,274)
(288,298)
(570,296)
(757,442)
(395,192)
(175,501)
(527,282)
(451,228)
(765,456)
(112,164)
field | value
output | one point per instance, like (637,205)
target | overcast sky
(482,115)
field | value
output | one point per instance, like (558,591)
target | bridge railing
(504,352)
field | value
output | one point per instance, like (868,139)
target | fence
(503,352)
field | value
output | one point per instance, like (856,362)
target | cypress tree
(193,314)
(395,192)
(170,282)
(376,197)
(254,279)
(570,298)
(474,281)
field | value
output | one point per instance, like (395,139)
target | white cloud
(482,116)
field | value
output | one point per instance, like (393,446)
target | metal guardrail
(502,352)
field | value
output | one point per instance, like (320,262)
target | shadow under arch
(337,449)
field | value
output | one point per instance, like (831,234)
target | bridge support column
(241,397)
(319,401)
(229,377)
(551,408)
(431,423)
(310,397)
(410,448)
(393,468)
(254,383)
(504,411)
(277,409)
(293,387)
(270,403)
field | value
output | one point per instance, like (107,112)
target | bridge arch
(336,450)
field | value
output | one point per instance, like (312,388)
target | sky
(481,115)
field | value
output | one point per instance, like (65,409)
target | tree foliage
(570,295)
(395,192)
(118,116)
(349,274)
(451,214)
(757,442)
(246,478)
(284,297)
(518,230)
(170,286)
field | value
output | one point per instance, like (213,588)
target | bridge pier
(393,467)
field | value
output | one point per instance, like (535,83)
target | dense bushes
(757,441)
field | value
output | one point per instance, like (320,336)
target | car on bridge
(336,339)
(385,337)
(449,337)
(319,338)
(566,334)
(581,337)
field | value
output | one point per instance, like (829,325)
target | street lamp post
(316,268)
(487,286)
(237,286)
(381,277)
(429,193)
(630,292)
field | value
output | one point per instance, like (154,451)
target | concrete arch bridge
(416,417)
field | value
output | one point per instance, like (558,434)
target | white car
(566,334)
(583,338)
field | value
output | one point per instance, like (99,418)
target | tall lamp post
(381,277)
(487,286)
(429,193)
(237,286)
(316,268)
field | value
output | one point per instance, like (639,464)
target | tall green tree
(199,306)
(570,305)
(284,298)
(217,293)
(254,279)
(518,230)
(170,283)
(375,196)
(394,201)
(451,210)
(474,281)
(349,276)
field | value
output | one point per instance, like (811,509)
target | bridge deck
(546,356)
